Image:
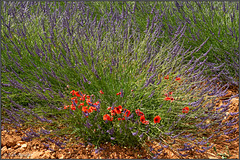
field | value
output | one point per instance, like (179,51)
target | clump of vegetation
(106,80)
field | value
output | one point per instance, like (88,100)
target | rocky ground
(13,147)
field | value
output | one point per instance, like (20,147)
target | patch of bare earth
(12,146)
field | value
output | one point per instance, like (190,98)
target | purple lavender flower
(151,94)
(120,130)
(131,128)
(6,92)
(121,95)
(110,68)
(156,155)
(194,104)
(168,133)
(135,133)
(45,131)
(231,131)
(230,140)
(111,131)
(113,138)
(98,150)
(234,113)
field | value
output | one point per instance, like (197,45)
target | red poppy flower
(178,78)
(109,108)
(65,107)
(157,119)
(101,92)
(127,113)
(167,77)
(119,93)
(75,99)
(166,94)
(121,119)
(73,107)
(117,110)
(82,99)
(110,119)
(120,107)
(146,122)
(137,110)
(96,103)
(132,90)
(88,101)
(72,92)
(142,118)
(84,109)
(77,94)
(90,110)
(81,104)
(172,99)
(185,110)
(88,96)
(106,117)
(113,112)
(167,98)
(139,113)
(170,93)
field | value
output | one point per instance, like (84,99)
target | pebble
(4,149)
(24,145)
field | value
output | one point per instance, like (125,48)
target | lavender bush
(104,80)
(215,21)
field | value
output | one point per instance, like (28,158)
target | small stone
(60,156)
(3,132)
(19,143)
(21,149)
(35,155)
(4,149)
(24,145)
(10,150)
(15,147)
(211,157)
(47,154)
(235,100)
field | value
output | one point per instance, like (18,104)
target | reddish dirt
(12,146)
